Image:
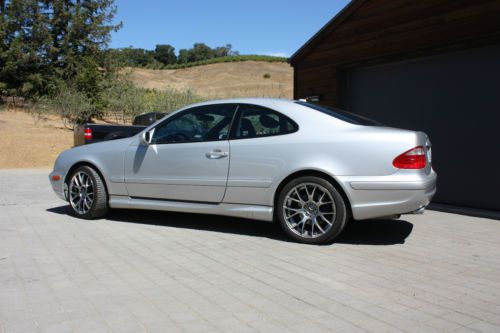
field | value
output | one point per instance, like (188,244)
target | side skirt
(262,213)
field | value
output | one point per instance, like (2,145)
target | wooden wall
(382,31)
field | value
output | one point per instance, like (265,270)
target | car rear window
(256,121)
(341,114)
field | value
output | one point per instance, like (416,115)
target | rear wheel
(311,210)
(87,194)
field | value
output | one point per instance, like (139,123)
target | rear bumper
(401,193)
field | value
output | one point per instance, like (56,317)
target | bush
(267,76)
(120,97)
(166,101)
(74,107)
(127,100)
(221,60)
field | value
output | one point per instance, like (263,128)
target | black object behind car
(91,133)
(147,119)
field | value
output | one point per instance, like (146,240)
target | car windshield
(341,114)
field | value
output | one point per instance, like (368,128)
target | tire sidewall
(340,217)
(90,173)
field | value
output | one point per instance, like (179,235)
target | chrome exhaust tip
(419,211)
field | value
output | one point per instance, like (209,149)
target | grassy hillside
(221,80)
(227,59)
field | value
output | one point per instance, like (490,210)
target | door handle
(217,153)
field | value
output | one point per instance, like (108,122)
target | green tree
(44,43)
(3,48)
(200,51)
(24,47)
(183,56)
(134,56)
(84,31)
(224,51)
(165,54)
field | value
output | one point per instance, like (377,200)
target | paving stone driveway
(139,271)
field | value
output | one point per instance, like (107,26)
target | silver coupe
(309,167)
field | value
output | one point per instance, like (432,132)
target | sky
(272,27)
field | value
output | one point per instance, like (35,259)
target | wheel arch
(89,164)
(314,173)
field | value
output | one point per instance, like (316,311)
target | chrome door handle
(217,153)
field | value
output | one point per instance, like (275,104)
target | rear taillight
(412,159)
(87,134)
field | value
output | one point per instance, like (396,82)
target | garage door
(455,99)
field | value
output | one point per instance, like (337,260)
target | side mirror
(146,138)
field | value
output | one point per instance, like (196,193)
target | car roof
(266,102)
(297,112)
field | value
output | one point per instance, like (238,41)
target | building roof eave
(331,25)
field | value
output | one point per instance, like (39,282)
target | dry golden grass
(29,144)
(223,80)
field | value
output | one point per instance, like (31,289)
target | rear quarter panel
(322,143)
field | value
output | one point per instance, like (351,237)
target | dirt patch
(224,80)
(25,143)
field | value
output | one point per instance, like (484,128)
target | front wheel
(311,210)
(87,194)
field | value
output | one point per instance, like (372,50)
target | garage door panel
(455,98)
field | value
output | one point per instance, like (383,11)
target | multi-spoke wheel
(87,193)
(311,210)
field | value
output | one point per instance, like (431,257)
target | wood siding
(383,31)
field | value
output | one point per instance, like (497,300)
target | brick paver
(139,271)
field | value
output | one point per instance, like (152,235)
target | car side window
(199,124)
(256,121)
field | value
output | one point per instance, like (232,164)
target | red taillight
(87,134)
(412,159)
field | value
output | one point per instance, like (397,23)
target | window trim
(236,123)
(183,112)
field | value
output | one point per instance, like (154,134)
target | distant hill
(222,80)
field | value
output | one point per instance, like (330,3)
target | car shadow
(367,232)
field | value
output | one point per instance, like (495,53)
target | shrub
(267,76)
(226,59)
(127,100)
(120,97)
(74,107)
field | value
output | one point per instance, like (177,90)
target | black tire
(340,219)
(99,206)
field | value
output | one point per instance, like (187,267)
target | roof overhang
(331,25)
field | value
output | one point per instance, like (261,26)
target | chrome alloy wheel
(81,192)
(309,210)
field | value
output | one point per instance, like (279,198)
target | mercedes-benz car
(309,167)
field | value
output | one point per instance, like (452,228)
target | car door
(186,159)
(260,151)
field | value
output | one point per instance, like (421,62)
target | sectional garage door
(455,99)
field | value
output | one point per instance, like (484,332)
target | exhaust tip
(419,211)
